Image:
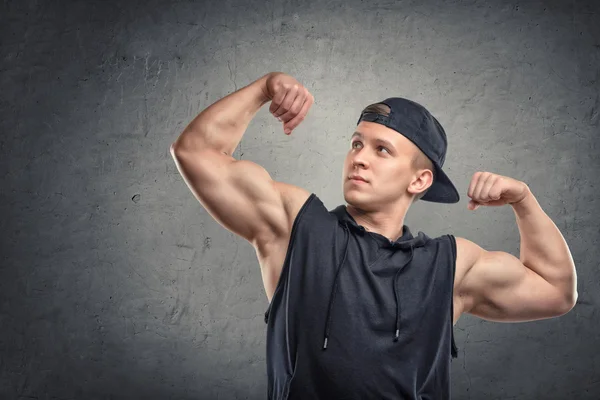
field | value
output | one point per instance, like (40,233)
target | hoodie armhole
(454,350)
(287,255)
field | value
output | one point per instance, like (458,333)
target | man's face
(383,157)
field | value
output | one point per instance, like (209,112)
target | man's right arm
(238,194)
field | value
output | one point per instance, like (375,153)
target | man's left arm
(497,286)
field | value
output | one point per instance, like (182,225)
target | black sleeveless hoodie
(357,316)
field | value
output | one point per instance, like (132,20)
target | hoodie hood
(406,242)
(403,242)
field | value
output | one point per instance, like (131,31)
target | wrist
(526,194)
(525,204)
(264,87)
(262,84)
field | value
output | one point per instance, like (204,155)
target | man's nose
(359,159)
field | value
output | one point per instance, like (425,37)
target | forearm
(543,248)
(222,125)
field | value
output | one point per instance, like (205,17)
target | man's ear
(423,180)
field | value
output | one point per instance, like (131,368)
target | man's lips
(357,178)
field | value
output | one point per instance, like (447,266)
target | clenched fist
(290,100)
(488,189)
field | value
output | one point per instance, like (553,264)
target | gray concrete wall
(115,283)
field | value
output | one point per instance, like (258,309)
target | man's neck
(385,223)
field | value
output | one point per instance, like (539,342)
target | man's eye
(380,147)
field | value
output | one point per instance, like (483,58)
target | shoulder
(468,254)
(293,198)
(465,252)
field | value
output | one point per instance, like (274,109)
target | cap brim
(442,190)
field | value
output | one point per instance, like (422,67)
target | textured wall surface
(115,283)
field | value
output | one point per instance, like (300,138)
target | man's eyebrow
(386,142)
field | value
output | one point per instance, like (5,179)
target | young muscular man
(359,308)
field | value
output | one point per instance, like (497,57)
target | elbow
(175,152)
(570,294)
(195,139)
(569,303)
(184,142)
(177,147)
(573,300)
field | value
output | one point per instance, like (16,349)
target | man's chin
(356,197)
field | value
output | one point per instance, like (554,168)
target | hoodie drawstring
(334,289)
(396,294)
(335,282)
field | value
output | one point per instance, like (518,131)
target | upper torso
(354,315)
(271,254)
